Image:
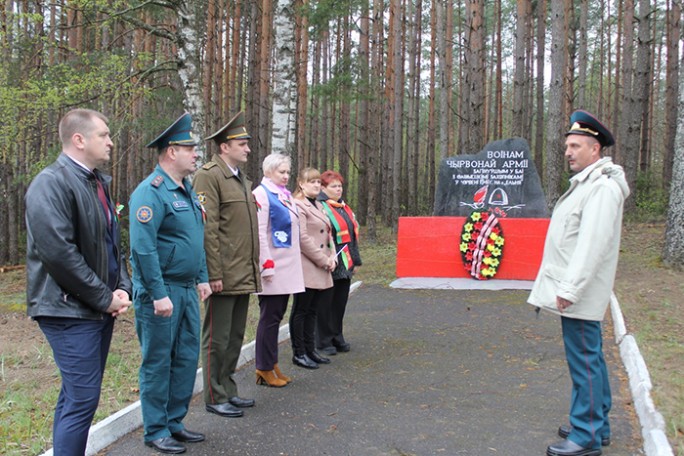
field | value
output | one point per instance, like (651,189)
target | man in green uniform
(231,239)
(169,268)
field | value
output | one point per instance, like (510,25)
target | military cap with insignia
(584,123)
(234,129)
(179,133)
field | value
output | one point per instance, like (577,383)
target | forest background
(380,90)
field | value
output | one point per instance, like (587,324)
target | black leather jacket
(66,259)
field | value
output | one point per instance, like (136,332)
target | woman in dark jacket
(329,324)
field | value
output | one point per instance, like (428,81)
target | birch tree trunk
(188,43)
(283,86)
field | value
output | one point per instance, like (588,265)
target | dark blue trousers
(591,399)
(80,349)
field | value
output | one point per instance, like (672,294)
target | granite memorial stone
(501,177)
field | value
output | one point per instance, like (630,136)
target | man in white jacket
(576,277)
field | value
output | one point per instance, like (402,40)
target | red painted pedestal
(429,247)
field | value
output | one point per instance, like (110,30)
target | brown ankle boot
(280,374)
(269,378)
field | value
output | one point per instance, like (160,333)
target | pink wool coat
(315,239)
(288,277)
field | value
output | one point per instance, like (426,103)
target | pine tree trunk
(539,117)
(671,88)
(630,122)
(673,252)
(556,120)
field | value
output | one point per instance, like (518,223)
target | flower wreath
(481,246)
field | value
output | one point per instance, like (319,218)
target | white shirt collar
(79,163)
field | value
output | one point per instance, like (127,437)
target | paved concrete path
(431,372)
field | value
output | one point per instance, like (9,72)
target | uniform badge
(202,197)
(144,214)
(156,182)
(180,204)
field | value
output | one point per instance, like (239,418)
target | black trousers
(272,309)
(329,323)
(303,318)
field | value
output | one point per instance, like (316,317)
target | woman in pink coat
(281,263)
(318,261)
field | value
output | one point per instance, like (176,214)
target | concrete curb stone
(652,422)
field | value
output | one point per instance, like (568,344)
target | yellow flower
(495,250)
(499,241)
(468,227)
(490,248)
(464,247)
(494,236)
(466,237)
(493,262)
(476,216)
(487,261)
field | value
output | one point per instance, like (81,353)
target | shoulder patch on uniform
(156,182)
(202,197)
(144,214)
(208,165)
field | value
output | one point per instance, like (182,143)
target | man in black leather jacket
(76,276)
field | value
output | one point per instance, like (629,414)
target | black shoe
(167,445)
(329,351)
(569,448)
(237,401)
(188,436)
(316,358)
(304,361)
(343,348)
(565,429)
(224,409)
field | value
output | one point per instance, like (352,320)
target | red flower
(496,230)
(471,246)
(469,256)
(478,226)
(269,264)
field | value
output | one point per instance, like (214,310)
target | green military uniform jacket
(231,236)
